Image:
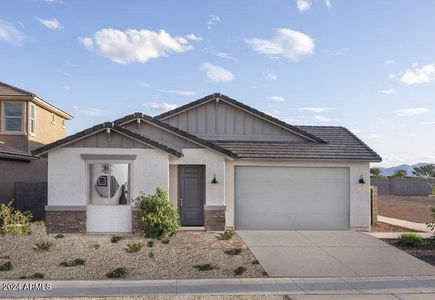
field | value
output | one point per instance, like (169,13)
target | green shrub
(239,271)
(33,276)
(226,235)
(42,246)
(159,217)
(73,263)
(150,244)
(133,247)
(151,254)
(165,241)
(7,266)
(116,273)
(431,224)
(115,239)
(233,251)
(59,236)
(94,246)
(255,262)
(13,221)
(204,267)
(409,239)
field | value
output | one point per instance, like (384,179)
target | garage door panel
(292,198)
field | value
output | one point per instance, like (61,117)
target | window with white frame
(53,119)
(13,116)
(32,118)
(109,183)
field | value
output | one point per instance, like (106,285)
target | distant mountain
(409,168)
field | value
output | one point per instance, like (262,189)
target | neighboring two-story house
(26,123)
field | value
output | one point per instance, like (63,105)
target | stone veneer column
(65,219)
(135,220)
(214,218)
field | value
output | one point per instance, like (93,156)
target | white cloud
(355,130)
(10,34)
(135,45)
(399,159)
(270,76)
(416,75)
(90,111)
(386,92)
(67,88)
(338,52)
(144,84)
(212,21)
(328,3)
(390,62)
(315,109)
(373,136)
(411,111)
(223,55)
(276,98)
(303,5)
(427,123)
(193,37)
(322,118)
(178,92)
(286,43)
(163,107)
(64,73)
(216,73)
(52,24)
(54,1)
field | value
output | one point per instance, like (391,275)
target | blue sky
(365,65)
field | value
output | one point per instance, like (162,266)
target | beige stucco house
(26,123)
(223,164)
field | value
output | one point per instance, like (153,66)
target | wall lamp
(214,180)
(361,180)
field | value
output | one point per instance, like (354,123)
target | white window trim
(53,119)
(32,133)
(23,119)
(63,124)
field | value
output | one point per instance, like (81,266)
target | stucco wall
(68,181)
(214,164)
(359,193)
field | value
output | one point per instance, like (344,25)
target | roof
(11,91)
(340,144)
(100,127)
(218,96)
(10,152)
(175,130)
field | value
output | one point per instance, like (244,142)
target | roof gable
(10,90)
(94,131)
(232,120)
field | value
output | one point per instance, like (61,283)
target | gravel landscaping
(172,260)
(383,227)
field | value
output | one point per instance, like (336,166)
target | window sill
(32,134)
(12,133)
(53,123)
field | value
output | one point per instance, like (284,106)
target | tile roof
(340,144)
(10,152)
(10,90)
(101,127)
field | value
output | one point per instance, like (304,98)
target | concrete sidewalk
(403,223)
(357,286)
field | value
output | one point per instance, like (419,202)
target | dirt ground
(409,208)
(383,227)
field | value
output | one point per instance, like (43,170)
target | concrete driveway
(329,254)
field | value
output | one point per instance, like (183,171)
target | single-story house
(223,164)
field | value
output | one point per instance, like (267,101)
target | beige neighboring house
(26,123)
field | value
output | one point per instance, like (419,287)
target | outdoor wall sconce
(214,180)
(361,180)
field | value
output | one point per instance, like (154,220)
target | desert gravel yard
(175,259)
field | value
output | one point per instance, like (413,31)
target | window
(63,123)
(53,119)
(109,184)
(13,116)
(32,117)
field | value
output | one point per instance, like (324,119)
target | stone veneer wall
(135,220)
(65,221)
(214,219)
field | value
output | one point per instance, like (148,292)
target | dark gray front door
(191,195)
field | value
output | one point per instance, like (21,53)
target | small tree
(431,223)
(400,174)
(427,170)
(159,216)
(375,172)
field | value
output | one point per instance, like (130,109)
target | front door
(191,195)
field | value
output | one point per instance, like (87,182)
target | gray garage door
(291,198)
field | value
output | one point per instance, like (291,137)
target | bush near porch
(159,217)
